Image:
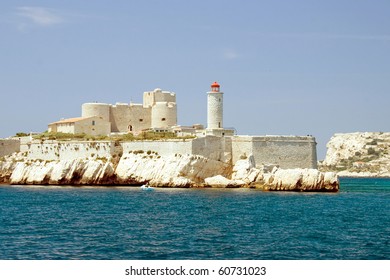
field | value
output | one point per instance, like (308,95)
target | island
(136,144)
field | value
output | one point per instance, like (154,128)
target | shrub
(371,151)
(21,134)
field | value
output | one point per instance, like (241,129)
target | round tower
(164,114)
(96,110)
(215,107)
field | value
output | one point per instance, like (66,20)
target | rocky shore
(358,154)
(163,171)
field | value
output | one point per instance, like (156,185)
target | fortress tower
(215,107)
(158,112)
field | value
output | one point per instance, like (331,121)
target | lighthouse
(215,107)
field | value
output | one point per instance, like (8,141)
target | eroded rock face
(175,170)
(172,171)
(245,174)
(169,171)
(74,172)
(357,154)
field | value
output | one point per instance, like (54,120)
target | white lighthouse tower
(215,107)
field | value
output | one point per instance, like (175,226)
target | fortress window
(141,120)
(163,119)
(93,122)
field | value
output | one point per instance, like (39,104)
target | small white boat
(146,187)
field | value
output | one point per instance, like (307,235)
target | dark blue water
(130,223)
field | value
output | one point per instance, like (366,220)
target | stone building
(94,125)
(157,112)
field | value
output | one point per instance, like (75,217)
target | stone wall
(284,151)
(129,118)
(9,146)
(215,148)
(92,126)
(69,150)
(161,147)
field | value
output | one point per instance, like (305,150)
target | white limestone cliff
(163,171)
(175,170)
(359,154)
(246,174)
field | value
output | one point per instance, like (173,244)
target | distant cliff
(358,154)
(176,170)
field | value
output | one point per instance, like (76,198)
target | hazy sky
(286,67)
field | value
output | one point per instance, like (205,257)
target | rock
(168,171)
(358,154)
(245,170)
(221,182)
(184,170)
(300,180)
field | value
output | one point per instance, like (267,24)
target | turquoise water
(43,222)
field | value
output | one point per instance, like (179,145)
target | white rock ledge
(169,171)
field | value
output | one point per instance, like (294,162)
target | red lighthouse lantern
(215,87)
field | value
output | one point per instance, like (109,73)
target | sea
(130,223)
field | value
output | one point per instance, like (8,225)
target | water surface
(46,222)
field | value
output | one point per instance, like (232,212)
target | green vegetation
(148,135)
(244,156)
(22,134)
(67,136)
(103,159)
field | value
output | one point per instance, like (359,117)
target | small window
(141,120)
(93,122)
(163,119)
(130,127)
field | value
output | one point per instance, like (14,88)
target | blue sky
(286,67)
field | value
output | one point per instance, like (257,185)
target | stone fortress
(159,113)
(213,156)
